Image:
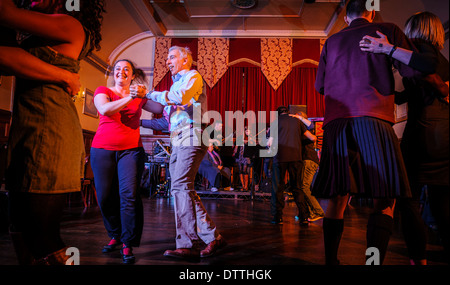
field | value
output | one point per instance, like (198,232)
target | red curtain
(226,95)
(246,88)
(163,85)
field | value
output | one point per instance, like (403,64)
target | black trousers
(117,176)
(279,169)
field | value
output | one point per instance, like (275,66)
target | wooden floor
(245,224)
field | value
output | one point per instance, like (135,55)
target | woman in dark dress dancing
(425,141)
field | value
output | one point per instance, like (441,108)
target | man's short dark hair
(282,110)
(356,8)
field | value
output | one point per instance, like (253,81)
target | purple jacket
(357,83)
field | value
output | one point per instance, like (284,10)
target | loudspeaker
(295,109)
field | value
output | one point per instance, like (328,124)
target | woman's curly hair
(90,16)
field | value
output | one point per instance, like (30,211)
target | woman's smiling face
(123,73)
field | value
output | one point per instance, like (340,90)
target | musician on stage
(213,169)
(185,104)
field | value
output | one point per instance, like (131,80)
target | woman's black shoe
(127,255)
(112,245)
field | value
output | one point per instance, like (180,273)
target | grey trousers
(193,223)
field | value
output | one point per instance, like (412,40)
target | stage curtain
(315,102)
(246,88)
(297,89)
(164,84)
(227,94)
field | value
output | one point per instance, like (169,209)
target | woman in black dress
(425,141)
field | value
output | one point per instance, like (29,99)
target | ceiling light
(244,4)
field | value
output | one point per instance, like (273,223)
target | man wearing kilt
(361,154)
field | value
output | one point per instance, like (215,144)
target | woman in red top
(117,157)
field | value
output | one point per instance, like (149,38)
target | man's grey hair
(185,52)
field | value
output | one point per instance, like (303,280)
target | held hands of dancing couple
(141,92)
(138,91)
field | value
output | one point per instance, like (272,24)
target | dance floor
(245,224)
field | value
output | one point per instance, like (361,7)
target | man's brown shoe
(183,253)
(212,247)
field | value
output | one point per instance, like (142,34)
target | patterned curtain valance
(276,60)
(162,46)
(213,57)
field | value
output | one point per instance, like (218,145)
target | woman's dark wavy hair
(90,16)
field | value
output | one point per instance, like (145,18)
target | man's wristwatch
(394,48)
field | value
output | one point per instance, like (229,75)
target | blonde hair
(426,26)
(184,52)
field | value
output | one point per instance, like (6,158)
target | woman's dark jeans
(117,177)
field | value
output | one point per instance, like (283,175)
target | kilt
(361,156)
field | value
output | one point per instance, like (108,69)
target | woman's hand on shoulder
(376,45)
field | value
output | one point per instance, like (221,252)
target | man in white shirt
(185,103)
